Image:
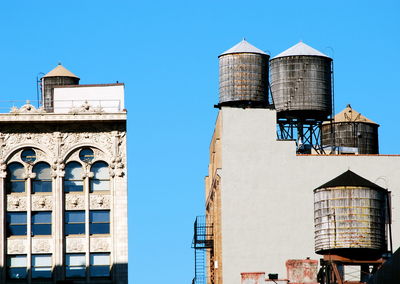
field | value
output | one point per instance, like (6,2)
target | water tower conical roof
(351,115)
(350,178)
(60,71)
(301,49)
(243,47)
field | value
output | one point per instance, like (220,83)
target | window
(15,178)
(99,265)
(16,266)
(86,155)
(41,223)
(28,156)
(99,222)
(75,265)
(41,266)
(73,180)
(74,222)
(101,177)
(42,181)
(16,223)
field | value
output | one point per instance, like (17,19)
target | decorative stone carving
(16,203)
(74,202)
(76,244)
(100,244)
(27,108)
(41,245)
(42,140)
(117,167)
(42,202)
(16,246)
(99,201)
(85,108)
(101,140)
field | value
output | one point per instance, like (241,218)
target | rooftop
(243,47)
(301,49)
(60,71)
(351,115)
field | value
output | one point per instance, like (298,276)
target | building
(267,158)
(64,185)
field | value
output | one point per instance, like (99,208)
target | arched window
(15,178)
(42,181)
(101,177)
(73,180)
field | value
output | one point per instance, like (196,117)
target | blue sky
(166,54)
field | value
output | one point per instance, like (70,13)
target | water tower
(59,76)
(350,133)
(301,86)
(243,76)
(351,220)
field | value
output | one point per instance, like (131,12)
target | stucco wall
(267,193)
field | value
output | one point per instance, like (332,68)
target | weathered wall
(267,193)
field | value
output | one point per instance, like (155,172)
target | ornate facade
(63,183)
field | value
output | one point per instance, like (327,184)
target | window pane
(41,272)
(100,259)
(100,170)
(99,216)
(73,171)
(41,260)
(17,261)
(41,229)
(16,218)
(75,259)
(75,216)
(99,271)
(97,185)
(41,186)
(42,171)
(41,217)
(75,229)
(86,155)
(16,186)
(15,171)
(70,186)
(28,156)
(17,273)
(99,228)
(17,230)
(78,272)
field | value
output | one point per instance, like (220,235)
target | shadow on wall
(389,273)
(118,275)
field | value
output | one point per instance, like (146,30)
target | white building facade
(63,184)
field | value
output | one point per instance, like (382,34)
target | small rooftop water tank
(350,217)
(301,83)
(243,76)
(351,129)
(59,76)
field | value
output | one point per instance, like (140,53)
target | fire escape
(202,240)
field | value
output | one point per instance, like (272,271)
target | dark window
(86,155)
(41,223)
(28,156)
(41,266)
(75,265)
(101,177)
(74,222)
(73,179)
(15,178)
(16,223)
(42,181)
(99,265)
(99,222)
(16,266)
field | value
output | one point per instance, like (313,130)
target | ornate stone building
(63,183)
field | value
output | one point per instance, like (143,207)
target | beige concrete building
(259,191)
(63,184)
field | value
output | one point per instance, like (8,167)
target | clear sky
(166,54)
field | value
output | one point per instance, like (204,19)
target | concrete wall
(109,98)
(267,193)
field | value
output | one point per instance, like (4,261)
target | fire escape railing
(202,240)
